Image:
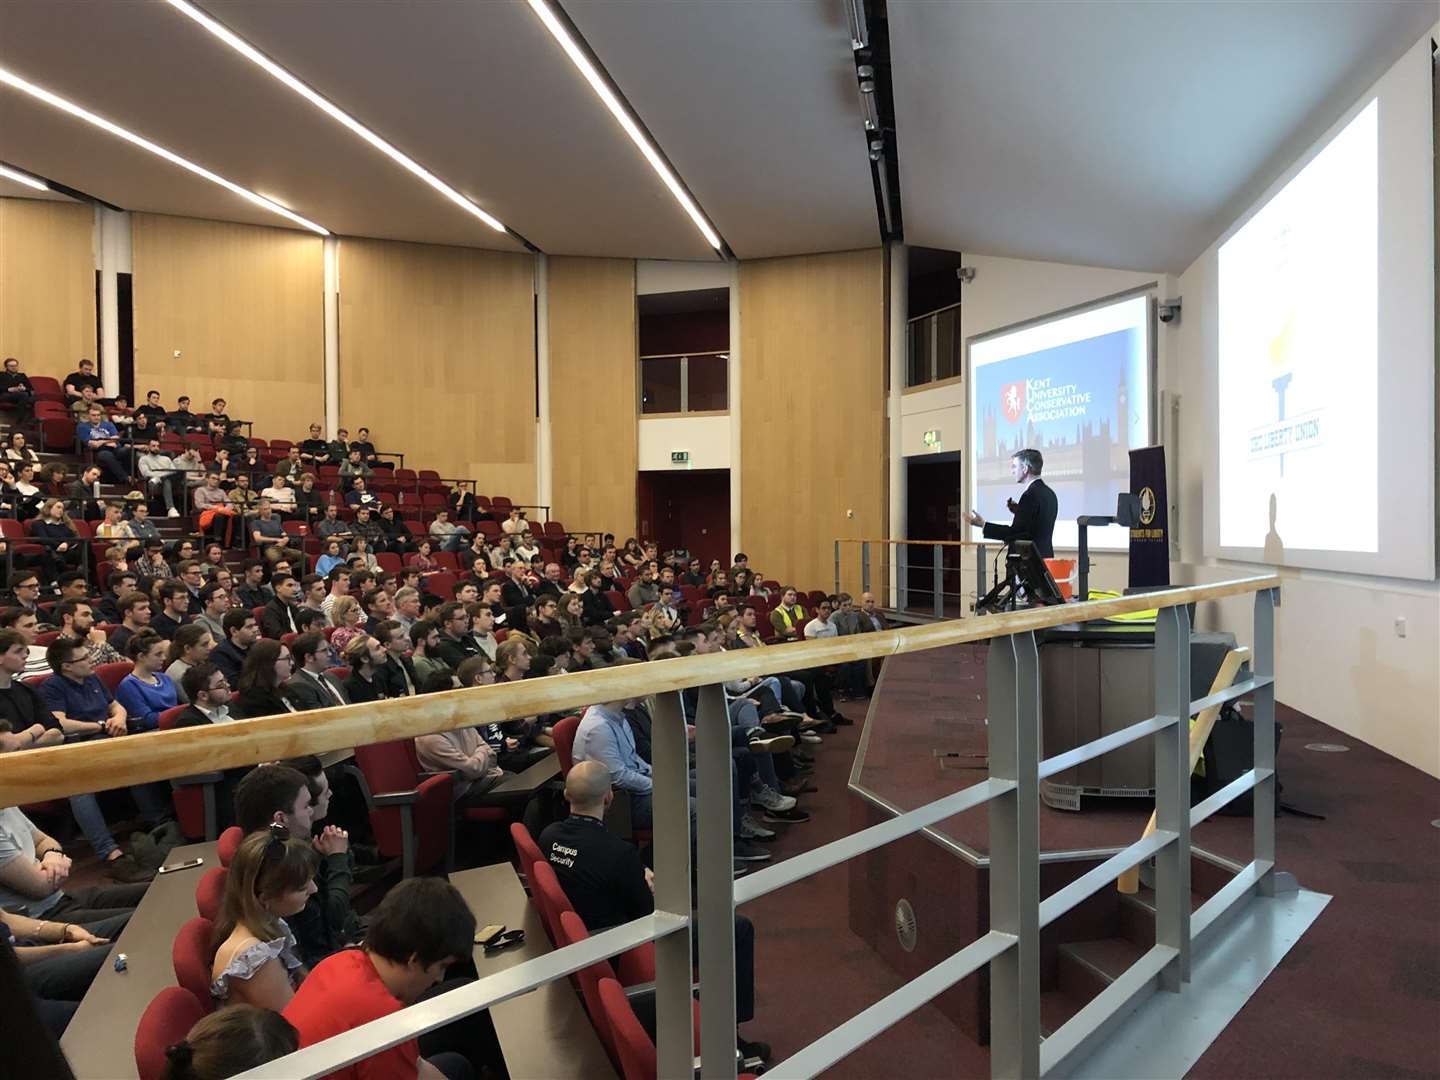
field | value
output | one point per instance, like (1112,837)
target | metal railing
(901,556)
(1017,911)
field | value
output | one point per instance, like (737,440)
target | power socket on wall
(1400,626)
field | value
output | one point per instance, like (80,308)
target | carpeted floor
(1358,997)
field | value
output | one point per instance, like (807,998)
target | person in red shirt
(416,933)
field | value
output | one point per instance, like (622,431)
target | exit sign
(679,457)
(932,439)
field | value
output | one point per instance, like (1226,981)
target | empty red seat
(210,893)
(228,844)
(411,816)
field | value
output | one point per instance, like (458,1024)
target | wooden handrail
(923,543)
(54,772)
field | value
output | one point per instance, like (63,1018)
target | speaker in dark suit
(1036,511)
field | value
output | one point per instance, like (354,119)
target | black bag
(1229,754)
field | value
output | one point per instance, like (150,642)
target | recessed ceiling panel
(755,103)
(1117,134)
(482,96)
(148,68)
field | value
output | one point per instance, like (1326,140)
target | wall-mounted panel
(593,393)
(812,388)
(437,359)
(47,284)
(243,307)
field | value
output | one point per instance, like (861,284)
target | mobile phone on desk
(505,940)
(487,935)
(189,864)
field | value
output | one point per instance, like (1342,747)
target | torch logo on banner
(1012,401)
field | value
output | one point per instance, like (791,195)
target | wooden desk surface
(532,778)
(100,1041)
(545,1034)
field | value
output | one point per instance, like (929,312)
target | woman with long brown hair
(261,686)
(257,960)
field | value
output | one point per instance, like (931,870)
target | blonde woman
(257,961)
(348,616)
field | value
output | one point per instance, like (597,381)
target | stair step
(1084,968)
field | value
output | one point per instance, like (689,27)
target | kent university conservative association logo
(1012,401)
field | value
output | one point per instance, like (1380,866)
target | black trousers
(98,902)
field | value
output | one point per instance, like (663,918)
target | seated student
(147,691)
(788,618)
(425,659)
(397,535)
(208,694)
(281,495)
(295,796)
(348,617)
(268,534)
(368,455)
(605,736)
(62,546)
(261,686)
(312,686)
(214,606)
(134,617)
(191,645)
(102,439)
(59,961)
(419,930)
(174,608)
(398,673)
(353,469)
(241,632)
(230,1041)
(314,450)
(33,867)
(367,680)
(257,961)
(447,534)
(277,618)
(608,885)
(15,387)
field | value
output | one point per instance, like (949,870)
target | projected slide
(1298,358)
(1076,388)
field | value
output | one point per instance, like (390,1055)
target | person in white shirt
(514,525)
(281,496)
(525,547)
(821,626)
(451,537)
(159,472)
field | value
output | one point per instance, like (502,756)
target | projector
(1169,310)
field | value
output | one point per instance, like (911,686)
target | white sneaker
(769,799)
(750,829)
(813,740)
(172,512)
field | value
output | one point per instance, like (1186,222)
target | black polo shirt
(600,873)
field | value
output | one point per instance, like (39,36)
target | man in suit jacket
(516,592)
(1034,513)
(312,687)
(277,618)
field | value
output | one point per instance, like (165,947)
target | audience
(230,1041)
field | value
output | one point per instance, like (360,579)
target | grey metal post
(1013,678)
(715,882)
(1263,660)
(938,564)
(864,567)
(837,566)
(902,576)
(1172,791)
(674,1015)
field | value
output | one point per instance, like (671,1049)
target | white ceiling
(1116,133)
(11,189)
(478,93)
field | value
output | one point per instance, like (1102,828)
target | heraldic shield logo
(1012,401)
(1147,505)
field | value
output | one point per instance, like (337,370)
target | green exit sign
(679,457)
(932,439)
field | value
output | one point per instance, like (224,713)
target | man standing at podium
(1034,513)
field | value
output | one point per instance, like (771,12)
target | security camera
(1169,310)
(965,274)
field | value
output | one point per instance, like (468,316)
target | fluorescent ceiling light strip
(577,55)
(23,178)
(11,79)
(329,108)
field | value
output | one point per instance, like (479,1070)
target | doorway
(933,511)
(686,509)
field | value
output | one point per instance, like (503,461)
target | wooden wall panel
(437,358)
(47,284)
(593,393)
(245,306)
(812,414)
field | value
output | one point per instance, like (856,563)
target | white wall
(1337,653)
(668,275)
(706,437)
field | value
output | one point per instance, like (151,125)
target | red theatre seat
(210,893)
(411,816)
(166,1021)
(192,956)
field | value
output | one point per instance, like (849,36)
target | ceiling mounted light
(23,178)
(330,109)
(607,96)
(9,78)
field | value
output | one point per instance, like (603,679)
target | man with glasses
(79,702)
(209,695)
(312,687)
